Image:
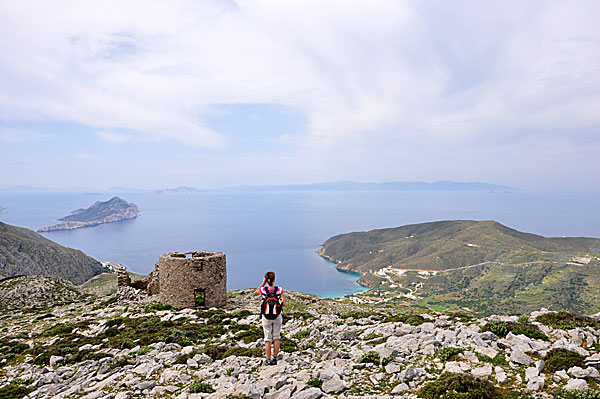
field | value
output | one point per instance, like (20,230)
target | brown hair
(270,277)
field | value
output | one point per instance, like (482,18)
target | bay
(281,231)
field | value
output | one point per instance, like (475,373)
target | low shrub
(201,386)
(498,360)
(216,352)
(156,306)
(372,336)
(14,391)
(502,328)
(301,334)
(567,320)
(315,382)
(412,319)
(355,314)
(370,357)
(448,353)
(458,386)
(562,359)
(288,345)
(567,394)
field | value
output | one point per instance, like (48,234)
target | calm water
(282,231)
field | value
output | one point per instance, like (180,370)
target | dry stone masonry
(183,280)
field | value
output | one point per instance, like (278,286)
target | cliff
(24,252)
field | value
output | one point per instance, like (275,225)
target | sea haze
(281,231)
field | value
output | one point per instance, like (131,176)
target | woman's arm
(260,286)
(282,300)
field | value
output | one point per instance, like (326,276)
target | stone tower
(192,279)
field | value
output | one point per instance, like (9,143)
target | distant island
(113,210)
(476,266)
(180,190)
(386,186)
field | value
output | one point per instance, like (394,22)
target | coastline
(79,225)
(359,280)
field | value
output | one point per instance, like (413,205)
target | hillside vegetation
(24,252)
(483,267)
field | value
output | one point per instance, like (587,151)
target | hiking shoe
(269,362)
(274,361)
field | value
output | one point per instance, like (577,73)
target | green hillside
(480,266)
(23,251)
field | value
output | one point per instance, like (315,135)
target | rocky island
(113,210)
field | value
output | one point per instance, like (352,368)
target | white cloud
(112,137)
(88,156)
(412,80)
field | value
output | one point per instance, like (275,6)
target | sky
(214,93)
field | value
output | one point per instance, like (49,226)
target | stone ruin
(183,280)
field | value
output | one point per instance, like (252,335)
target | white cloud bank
(455,89)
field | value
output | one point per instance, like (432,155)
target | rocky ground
(105,348)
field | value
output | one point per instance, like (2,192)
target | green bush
(200,386)
(315,383)
(114,322)
(448,353)
(157,306)
(216,352)
(288,345)
(301,334)
(562,359)
(412,319)
(372,336)
(356,314)
(14,391)
(500,328)
(370,357)
(567,320)
(565,394)
(458,386)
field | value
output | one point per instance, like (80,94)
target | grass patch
(562,359)
(448,353)
(356,314)
(370,357)
(565,394)
(156,306)
(301,334)
(459,386)
(315,382)
(412,319)
(14,391)
(498,360)
(567,320)
(502,328)
(201,386)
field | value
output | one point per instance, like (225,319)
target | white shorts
(272,328)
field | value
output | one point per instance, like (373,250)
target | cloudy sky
(215,93)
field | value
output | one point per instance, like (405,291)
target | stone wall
(183,275)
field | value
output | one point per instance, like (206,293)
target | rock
(310,393)
(501,377)
(281,381)
(539,365)
(123,395)
(589,372)
(531,373)
(146,385)
(535,384)
(520,357)
(576,384)
(54,360)
(192,363)
(484,371)
(392,368)
(347,335)
(333,385)
(402,387)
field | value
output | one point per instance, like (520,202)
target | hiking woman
(273,301)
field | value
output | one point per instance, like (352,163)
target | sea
(281,231)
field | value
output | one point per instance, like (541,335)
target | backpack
(271,305)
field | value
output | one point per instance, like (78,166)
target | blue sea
(281,231)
